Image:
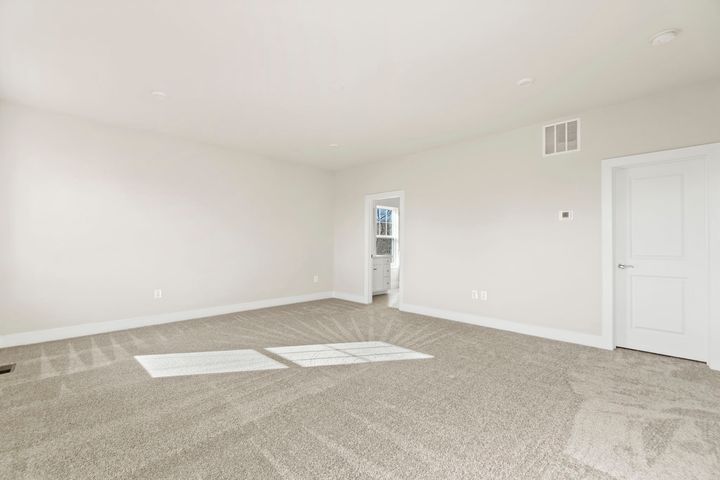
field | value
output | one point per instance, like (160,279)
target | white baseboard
(569,336)
(713,364)
(37,336)
(350,297)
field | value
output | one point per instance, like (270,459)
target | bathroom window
(386,232)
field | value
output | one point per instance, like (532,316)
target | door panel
(656,216)
(658,303)
(661,287)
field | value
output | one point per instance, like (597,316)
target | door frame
(608,168)
(369,236)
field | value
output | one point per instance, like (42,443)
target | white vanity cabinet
(381,273)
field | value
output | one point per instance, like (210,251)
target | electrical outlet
(157,293)
(316,279)
(474,294)
(483,295)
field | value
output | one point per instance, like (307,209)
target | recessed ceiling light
(158,94)
(525,81)
(333,145)
(666,36)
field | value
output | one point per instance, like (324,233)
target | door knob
(622,266)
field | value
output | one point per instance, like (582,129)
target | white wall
(482,214)
(388,202)
(94,218)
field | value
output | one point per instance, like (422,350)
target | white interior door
(661,258)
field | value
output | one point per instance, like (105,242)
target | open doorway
(383,253)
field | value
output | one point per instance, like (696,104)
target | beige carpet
(490,405)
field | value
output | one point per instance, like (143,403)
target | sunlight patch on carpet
(200,363)
(345,353)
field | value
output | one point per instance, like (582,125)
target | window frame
(395,222)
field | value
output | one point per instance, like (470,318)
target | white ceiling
(380,78)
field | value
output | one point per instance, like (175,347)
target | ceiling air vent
(562,137)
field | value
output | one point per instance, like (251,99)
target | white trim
(569,336)
(350,297)
(608,266)
(37,336)
(369,232)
